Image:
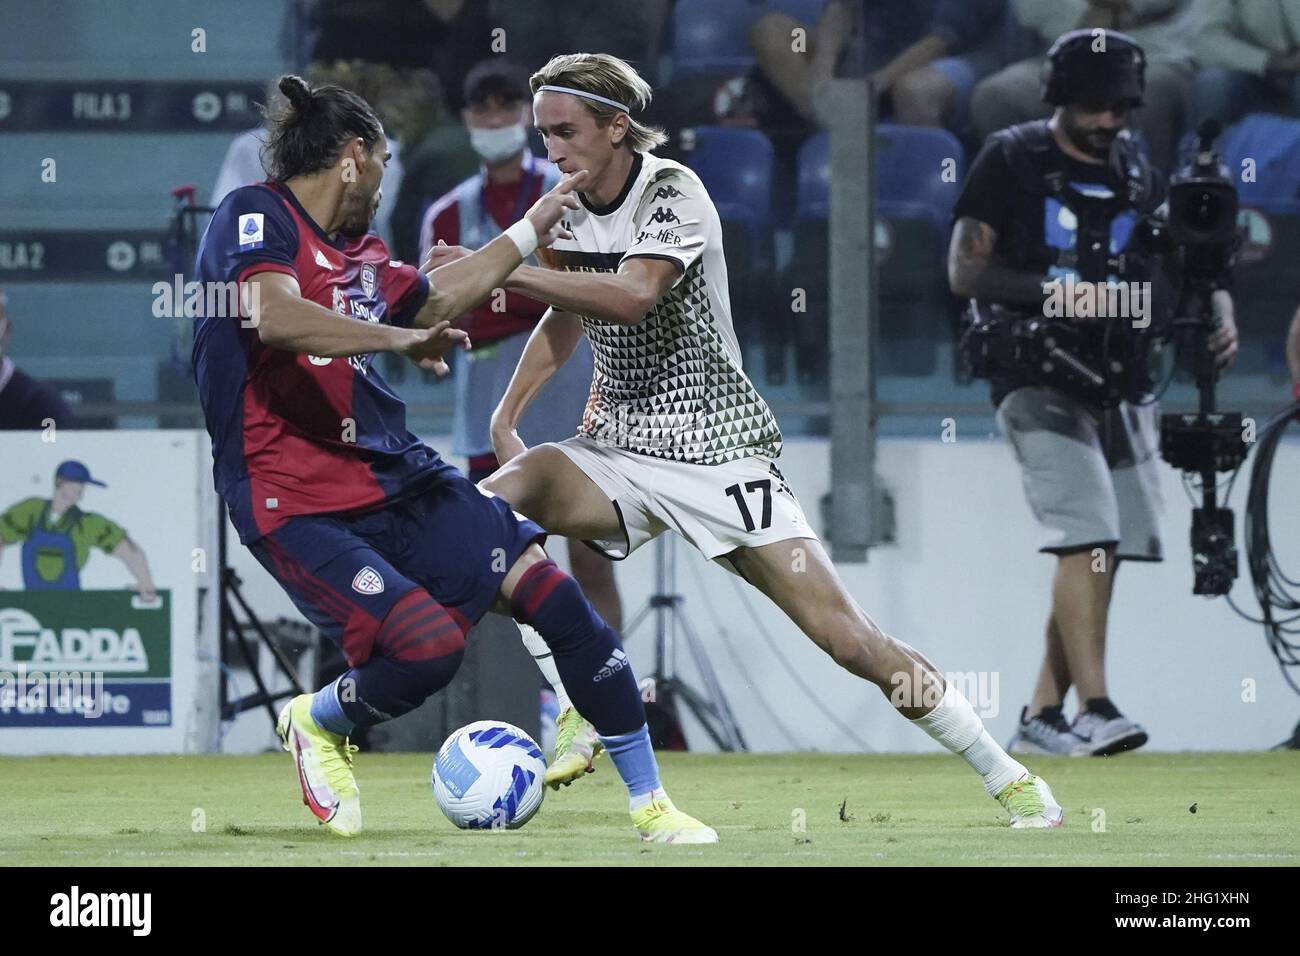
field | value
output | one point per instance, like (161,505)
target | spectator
(497,114)
(628,29)
(431,44)
(1249,54)
(25,403)
(923,55)
(446,36)
(1162,27)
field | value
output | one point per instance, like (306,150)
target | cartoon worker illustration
(57,536)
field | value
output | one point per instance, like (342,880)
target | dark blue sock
(385,688)
(416,652)
(588,655)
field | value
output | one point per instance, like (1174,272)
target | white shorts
(718,508)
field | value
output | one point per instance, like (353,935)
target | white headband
(583,93)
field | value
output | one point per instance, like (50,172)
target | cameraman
(1088,466)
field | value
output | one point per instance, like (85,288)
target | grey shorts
(1091,475)
(481,377)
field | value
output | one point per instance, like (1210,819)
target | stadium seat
(710,77)
(900,193)
(813,191)
(1266,286)
(735,166)
(712,36)
(900,152)
(1273,143)
(914,214)
(805,11)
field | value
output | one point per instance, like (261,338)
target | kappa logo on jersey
(252,231)
(368,280)
(664,215)
(322,261)
(666,192)
(368,581)
(617,661)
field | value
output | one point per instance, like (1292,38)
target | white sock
(545,663)
(954,723)
(642,799)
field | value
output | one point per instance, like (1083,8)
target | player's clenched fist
(427,347)
(551,208)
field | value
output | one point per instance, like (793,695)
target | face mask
(494,145)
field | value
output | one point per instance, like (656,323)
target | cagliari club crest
(368,280)
(368,581)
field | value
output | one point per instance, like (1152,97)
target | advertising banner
(107,600)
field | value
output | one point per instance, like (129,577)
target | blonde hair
(607,76)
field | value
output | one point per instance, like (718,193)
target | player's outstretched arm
(457,286)
(285,320)
(551,345)
(623,297)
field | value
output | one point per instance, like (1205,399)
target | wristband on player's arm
(524,236)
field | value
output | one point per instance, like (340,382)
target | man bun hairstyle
(306,132)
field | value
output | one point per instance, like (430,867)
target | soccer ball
(488,775)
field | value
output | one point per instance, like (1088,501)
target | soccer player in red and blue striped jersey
(385,547)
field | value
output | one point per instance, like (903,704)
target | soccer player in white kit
(674,435)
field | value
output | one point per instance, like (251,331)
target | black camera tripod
(709,706)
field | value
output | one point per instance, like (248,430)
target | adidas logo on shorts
(617,661)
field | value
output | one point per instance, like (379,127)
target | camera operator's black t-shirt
(994,194)
(1029,223)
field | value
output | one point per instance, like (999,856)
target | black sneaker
(1105,730)
(1047,732)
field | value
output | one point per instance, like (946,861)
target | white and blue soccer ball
(488,775)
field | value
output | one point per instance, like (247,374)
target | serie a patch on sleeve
(252,231)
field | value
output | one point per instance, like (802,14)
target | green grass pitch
(772,809)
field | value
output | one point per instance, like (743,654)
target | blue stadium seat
(808,12)
(813,189)
(1266,282)
(914,209)
(735,166)
(902,153)
(712,36)
(910,172)
(1273,142)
